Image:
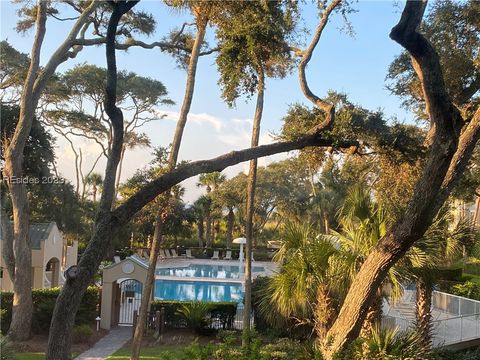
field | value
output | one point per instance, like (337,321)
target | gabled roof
(39,232)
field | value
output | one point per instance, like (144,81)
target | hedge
(454,274)
(43,304)
(221,313)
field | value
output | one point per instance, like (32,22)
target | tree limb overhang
(148,193)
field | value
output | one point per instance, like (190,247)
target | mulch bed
(38,343)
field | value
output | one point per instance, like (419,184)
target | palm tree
(363,222)
(303,291)
(441,244)
(201,207)
(96,181)
(229,196)
(210,181)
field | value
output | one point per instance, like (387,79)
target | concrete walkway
(106,346)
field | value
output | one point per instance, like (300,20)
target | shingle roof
(39,232)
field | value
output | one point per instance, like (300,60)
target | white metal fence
(454,318)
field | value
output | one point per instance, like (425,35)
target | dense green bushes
(468,289)
(220,314)
(449,274)
(43,304)
(82,333)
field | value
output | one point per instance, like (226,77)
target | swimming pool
(185,290)
(228,272)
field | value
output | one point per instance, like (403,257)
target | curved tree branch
(326,107)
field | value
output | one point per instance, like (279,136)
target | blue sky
(355,65)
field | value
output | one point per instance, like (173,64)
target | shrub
(222,314)
(285,349)
(392,344)
(43,305)
(449,274)
(468,289)
(196,351)
(6,349)
(195,315)
(82,333)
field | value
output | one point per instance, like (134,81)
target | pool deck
(269,266)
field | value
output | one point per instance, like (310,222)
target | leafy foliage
(195,314)
(82,333)
(43,305)
(453,29)
(253,39)
(392,344)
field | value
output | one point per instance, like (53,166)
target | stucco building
(51,255)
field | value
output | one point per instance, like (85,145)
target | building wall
(111,275)
(51,248)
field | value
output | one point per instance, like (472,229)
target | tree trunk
(201,232)
(119,173)
(423,308)
(189,88)
(19,244)
(148,286)
(79,277)
(20,324)
(172,161)
(373,316)
(230,225)
(208,229)
(251,183)
(449,153)
(324,313)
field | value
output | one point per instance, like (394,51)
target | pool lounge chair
(167,254)
(116,259)
(161,254)
(252,257)
(188,254)
(215,255)
(174,253)
(228,255)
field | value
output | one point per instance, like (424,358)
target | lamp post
(241,241)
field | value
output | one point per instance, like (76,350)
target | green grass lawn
(33,355)
(162,352)
(30,356)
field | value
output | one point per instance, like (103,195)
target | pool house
(177,278)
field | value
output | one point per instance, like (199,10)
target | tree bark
(448,156)
(19,244)
(230,225)
(119,173)
(78,279)
(251,183)
(208,229)
(323,311)
(201,232)
(423,308)
(373,316)
(172,161)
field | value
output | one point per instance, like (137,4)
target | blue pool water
(185,290)
(208,271)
